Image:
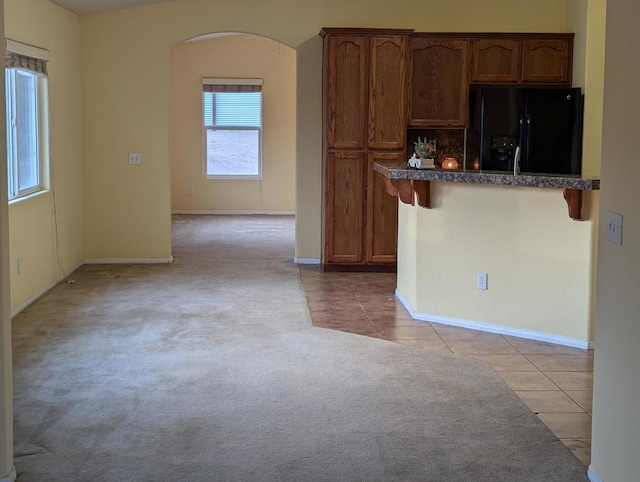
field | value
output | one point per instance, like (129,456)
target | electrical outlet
(189,191)
(482,281)
(135,158)
(614,228)
(18,265)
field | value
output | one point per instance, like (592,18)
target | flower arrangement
(425,149)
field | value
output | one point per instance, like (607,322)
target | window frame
(26,59)
(240,84)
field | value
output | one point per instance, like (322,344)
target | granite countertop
(399,170)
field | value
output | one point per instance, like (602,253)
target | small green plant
(425,149)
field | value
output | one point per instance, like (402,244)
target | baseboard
(37,295)
(235,213)
(11,477)
(306,260)
(488,327)
(593,477)
(129,260)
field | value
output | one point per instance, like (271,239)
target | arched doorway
(195,189)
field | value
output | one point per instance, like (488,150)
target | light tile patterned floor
(555,381)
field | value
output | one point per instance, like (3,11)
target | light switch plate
(135,158)
(614,228)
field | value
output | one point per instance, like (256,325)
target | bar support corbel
(574,202)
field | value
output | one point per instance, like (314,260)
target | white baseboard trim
(593,477)
(488,327)
(129,260)
(37,295)
(236,213)
(306,260)
(10,477)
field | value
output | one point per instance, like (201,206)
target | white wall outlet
(189,191)
(482,281)
(18,265)
(135,158)
(614,228)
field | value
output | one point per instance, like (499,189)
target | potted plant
(424,154)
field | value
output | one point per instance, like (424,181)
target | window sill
(32,195)
(234,177)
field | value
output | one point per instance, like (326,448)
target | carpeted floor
(208,369)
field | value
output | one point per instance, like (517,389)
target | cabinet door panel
(344,210)
(547,61)
(439,82)
(496,60)
(388,92)
(347,85)
(382,213)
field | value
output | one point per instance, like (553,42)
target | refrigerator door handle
(527,151)
(521,142)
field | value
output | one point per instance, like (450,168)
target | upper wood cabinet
(522,58)
(439,82)
(388,92)
(547,60)
(496,60)
(346,84)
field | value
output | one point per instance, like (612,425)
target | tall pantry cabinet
(365,82)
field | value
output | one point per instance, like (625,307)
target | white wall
(616,420)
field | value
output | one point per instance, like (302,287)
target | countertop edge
(399,170)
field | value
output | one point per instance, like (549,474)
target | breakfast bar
(405,182)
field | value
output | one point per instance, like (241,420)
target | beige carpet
(208,369)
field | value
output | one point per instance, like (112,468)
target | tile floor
(554,381)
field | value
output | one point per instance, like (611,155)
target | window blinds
(232,102)
(22,56)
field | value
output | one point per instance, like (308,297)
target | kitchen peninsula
(540,263)
(405,182)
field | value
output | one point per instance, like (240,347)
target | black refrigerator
(541,128)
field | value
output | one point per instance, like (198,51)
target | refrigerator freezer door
(502,110)
(553,143)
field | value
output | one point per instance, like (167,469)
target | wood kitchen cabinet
(439,81)
(365,86)
(549,60)
(496,60)
(345,195)
(388,92)
(522,58)
(346,94)
(382,212)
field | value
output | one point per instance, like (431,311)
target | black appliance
(544,122)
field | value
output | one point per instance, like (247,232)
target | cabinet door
(344,209)
(439,82)
(547,61)
(382,213)
(346,84)
(388,92)
(496,60)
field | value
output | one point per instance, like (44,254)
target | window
(232,117)
(26,113)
